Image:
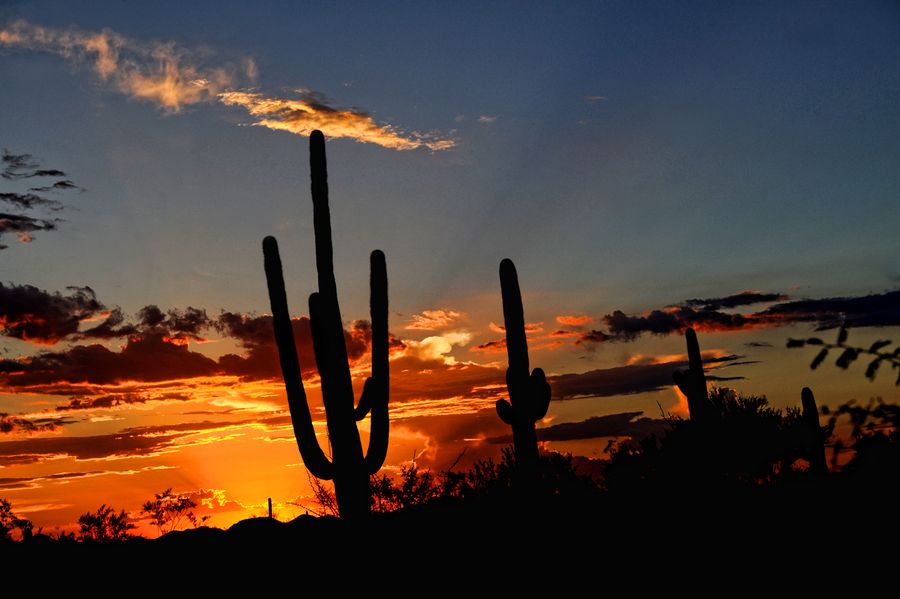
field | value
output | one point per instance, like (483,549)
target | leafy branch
(849,354)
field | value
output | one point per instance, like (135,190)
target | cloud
(34,482)
(27,201)
(594,99)
(433,320)
(438,347)
(758,344)
(626,424)
(142,441)
(707,315)
(487,119)
(24,166)
(113,400)
(20,424)
(494,346)
(310,111)
(23,226)
(35,315)
(57,186)
(161,73)
(574,321)
(745,298)
(172,77)
(630,379)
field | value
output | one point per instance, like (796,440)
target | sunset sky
(648,166)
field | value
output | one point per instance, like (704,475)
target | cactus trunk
(349,467)
(529,395)
(692,382)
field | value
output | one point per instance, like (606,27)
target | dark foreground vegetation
(746,486)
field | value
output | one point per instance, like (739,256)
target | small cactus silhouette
(692,382)
(529,395)
(349,467)
(817,462)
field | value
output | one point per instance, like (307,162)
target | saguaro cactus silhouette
(349,467)
(529,395)
(817,462)
(692,382)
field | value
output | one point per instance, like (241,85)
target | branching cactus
(817,462)
(529,395)
(692,382)
(349,467)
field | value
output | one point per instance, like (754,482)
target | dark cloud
(874,310)
(23,226)
(130,442)
(626,424)
(758,344)
(116,399)
(144,358)
(27,201)
(625,380)
(745,298)
(32,314)
(17,424)
(24,166)
(17,166)
(496,345)
(32,482)
(58,186)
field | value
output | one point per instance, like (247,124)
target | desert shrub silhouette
(105,526)
(12,526)
(349,467)
(744,442)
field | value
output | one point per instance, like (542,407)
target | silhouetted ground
(694,505)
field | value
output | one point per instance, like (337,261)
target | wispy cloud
(594,99)
(162,73)
(432,320)
(486,118)
(173,77)
(309,111)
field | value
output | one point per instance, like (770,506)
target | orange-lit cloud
(173,77)
(309,111)
(433,320)
(162,73)
(530,327)
(573,321)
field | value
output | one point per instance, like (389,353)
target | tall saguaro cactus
(529,395)
(692,382)
(349,467)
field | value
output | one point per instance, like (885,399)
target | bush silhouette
(11,526)
(747,443)
(167,511)
(105,525)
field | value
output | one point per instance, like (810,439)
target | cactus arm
(505,411)
(313,456)
(817,462)
(365,400)
(540,389)
(378,385)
